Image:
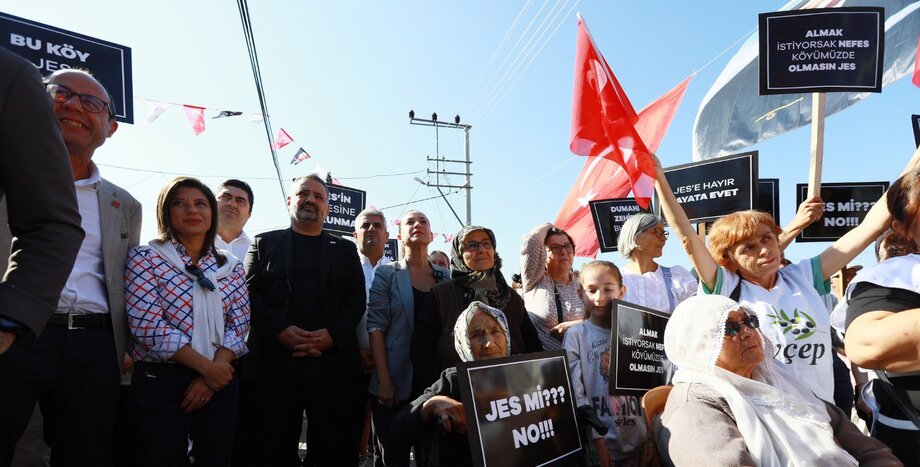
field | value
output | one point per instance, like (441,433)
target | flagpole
(817,144)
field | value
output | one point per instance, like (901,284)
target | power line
(186,174)
(257,76)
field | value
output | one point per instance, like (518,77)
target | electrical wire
(257,77)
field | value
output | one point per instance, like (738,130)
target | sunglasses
(199,276)
(734,327)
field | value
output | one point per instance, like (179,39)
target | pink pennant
(195,116)
(282,140)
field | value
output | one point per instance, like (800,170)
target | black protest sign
(768,197)
(714,188)
(822,50)
(344,205)
(391,250)
(609,216)
(520,410)
(637,359)
(845,207)
(51,49)
(915,123)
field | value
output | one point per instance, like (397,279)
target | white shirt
(794,317)
(237,247)
(85,291)
(364,340)
(649,289)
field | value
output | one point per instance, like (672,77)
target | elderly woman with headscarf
(731,405)
(480,332)
(647,283)
(475,275)
(551,292)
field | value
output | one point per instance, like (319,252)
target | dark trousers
(843,387)
(391,454)
(163,430)
(74,376)
(903,443)
(280,398)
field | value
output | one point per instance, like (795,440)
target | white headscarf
(462,340)
(781,421)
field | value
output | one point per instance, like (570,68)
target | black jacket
(341,304)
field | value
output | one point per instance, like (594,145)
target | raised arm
(705,266)
(809,211)
(841,252)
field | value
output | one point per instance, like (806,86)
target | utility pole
(439,160)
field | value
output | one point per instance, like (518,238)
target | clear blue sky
(340,77)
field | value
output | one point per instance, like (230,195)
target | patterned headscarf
(635,225)
(461,328)
(486,286)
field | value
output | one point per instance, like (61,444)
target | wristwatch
(12,326)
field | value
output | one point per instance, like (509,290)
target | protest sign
(915,123)
(768,197)
(845,207)
(637,359)
(391,250)
(609,216)
(520,410)
(822,50)
(51,49)
(344,205)
(714,188)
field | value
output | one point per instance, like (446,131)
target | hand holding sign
(448,411)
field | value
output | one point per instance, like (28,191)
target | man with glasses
(82,351)
(307,295)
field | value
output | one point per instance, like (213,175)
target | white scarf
(461,327)
(207,306)
(781,421)
(902,272)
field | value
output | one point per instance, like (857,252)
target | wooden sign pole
(817,144)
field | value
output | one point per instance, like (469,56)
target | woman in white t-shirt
(642,239)
(743,262)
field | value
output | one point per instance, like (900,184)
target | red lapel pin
(116,204)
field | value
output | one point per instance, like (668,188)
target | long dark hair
(165,199)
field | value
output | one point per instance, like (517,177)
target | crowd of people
(205,346)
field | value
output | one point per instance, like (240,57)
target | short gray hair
(636,224)
(372,212)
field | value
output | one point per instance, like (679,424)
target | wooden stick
(817,144)
(701,231)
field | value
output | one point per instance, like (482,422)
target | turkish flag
(282,140)
(602,179)
(916,78)
(603,120)
(195,116)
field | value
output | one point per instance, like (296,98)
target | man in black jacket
(307,295)
(37,184)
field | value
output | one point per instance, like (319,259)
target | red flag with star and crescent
(602,178)
(603,120)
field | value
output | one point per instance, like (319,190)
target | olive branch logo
(800,324)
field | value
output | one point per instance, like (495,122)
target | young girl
(588,347)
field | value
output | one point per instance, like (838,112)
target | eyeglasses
(199,276)
(92,104)
(734,327)
(659,233)
(558,249)
(476,246)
